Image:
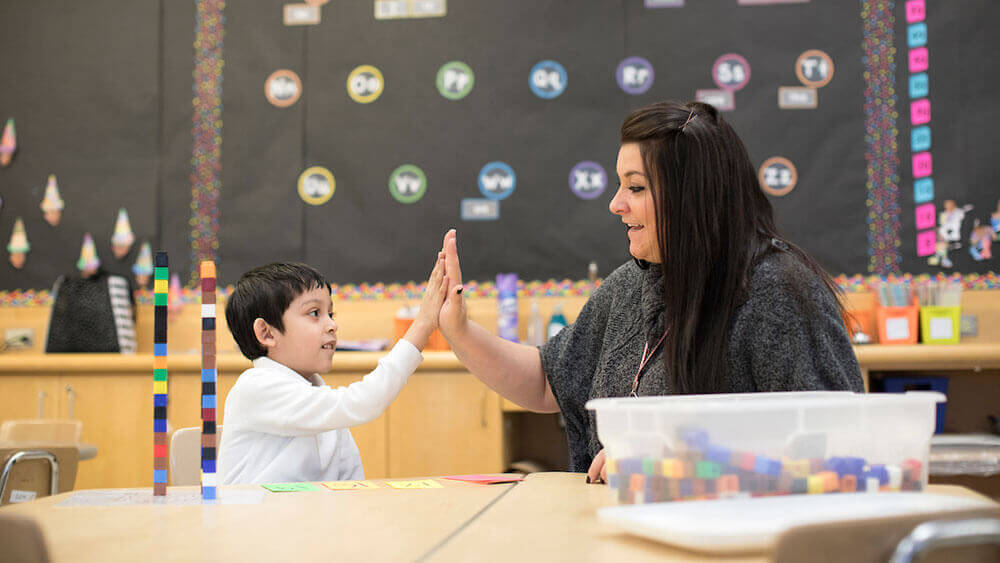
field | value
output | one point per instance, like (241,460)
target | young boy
(282,424)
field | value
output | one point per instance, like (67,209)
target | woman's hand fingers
(453,316)
(597,473)
(452,267)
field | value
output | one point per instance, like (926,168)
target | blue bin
(927,383)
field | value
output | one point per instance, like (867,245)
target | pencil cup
(940,325)
(897,325)
(860,321)
(435,341)
(399,327)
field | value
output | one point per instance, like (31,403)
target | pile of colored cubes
(698,469)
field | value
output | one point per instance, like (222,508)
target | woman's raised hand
(453,318)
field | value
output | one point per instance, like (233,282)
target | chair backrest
(22,540)
(28,472)
(185,455)
(41,430)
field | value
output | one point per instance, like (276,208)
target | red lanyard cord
(644,361)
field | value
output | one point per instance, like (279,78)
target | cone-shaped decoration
(143,267)
(174,304)
(88,262)
(53,204)
(8,143)
(121,241)
(18,246)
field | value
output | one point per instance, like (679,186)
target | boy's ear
(264,332)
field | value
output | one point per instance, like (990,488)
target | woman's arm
(512,370)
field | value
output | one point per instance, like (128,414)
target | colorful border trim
(206,130)
(861,284)
(552,288)
(881,154)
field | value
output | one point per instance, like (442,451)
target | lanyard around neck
(644,361)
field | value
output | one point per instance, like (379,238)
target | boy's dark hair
(266,292)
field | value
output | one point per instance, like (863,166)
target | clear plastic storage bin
(762,444)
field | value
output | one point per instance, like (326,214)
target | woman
(714,300)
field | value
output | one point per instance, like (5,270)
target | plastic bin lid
(964,454)
(763,401)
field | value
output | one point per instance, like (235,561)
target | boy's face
(310,336)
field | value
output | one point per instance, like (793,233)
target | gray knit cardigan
(787,336)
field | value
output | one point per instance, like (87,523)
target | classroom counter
(343,362)
(919,357)
(916,357)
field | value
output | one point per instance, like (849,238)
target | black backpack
(95,314)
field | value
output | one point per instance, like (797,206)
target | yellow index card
(351,485)
(421,484)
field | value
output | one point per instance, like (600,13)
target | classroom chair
(185,455)
(21,540)
(971,536)
(41,430)
(38,470)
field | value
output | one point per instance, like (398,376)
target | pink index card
(922,166)
(915,11)
(920,111)
(925,216)
(487,479)
(926,241)
(918,59)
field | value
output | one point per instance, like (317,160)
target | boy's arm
(279,405)
(286,407)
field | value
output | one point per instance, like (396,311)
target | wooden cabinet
(28,395)
(117,416)
(445,423)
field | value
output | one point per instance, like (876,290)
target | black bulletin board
(102,95)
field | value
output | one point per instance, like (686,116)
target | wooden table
(553,517)
(548,517)
(378,525)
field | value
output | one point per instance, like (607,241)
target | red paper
(487,479)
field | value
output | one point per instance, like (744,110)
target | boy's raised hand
(434,295)
(430,306)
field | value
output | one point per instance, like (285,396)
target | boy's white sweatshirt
(280,428)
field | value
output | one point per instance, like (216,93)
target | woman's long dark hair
(714,224)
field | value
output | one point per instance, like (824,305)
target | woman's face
(633,202)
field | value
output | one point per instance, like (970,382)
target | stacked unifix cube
(160,287)
(208,378)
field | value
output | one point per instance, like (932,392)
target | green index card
(290,487)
